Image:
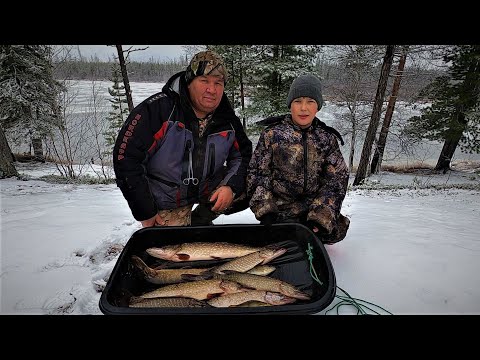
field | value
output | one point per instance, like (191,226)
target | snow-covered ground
(412,248)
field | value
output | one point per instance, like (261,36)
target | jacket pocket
(167,194)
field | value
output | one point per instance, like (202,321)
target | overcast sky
(157,52)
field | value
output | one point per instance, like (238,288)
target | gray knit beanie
(306,85)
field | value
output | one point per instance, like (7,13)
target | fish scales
(248,262)
(199,290)
(163,276)
(201,251)
(166,302)
(265,283)
(253,295)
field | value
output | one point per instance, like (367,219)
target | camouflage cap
(206,63)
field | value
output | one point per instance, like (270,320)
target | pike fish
(265,283)
(253,295)
(200,251)
(248,262)
(136,302)
(262,270)
(163,276)
(253,303)
(200,290)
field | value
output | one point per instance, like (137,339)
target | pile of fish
(241,281)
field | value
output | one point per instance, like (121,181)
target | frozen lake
(82,110)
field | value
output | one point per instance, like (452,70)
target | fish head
(274,298)
(164,252)
(231,287)
(291,291)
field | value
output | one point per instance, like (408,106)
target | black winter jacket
(159,146)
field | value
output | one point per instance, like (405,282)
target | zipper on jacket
(198,157)
(305,160)
(185,159)
(211,160)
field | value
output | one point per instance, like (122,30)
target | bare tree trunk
(7,169)
(242,95)
(451,142)
(126,83)
(382,139)
(352,149)
(377,110)
(450,146)
(38,149)
(446,155)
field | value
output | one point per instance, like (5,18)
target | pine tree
(28,92)
(238,59)
(275,69)
(453,116)
(119,113)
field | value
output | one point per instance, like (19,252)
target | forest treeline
(37,104)
(99,70)
(415,77)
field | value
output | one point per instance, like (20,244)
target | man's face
(205,93)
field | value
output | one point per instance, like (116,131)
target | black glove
(268,219)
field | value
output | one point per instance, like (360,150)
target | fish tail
(140,264)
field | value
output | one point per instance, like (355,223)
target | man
(182,146)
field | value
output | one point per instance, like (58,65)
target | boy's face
(303,110)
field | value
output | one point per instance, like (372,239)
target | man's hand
(223,198)
(154,221)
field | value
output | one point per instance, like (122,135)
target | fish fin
(160,267)
(211,296)
(271,246)
(206,275)
(226,272)
(137,261)
(191,277)
(216,257)
(183,257)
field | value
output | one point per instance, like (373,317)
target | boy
(297,172)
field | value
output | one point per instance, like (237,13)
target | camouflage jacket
(298,174)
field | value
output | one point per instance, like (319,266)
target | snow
(412,248)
